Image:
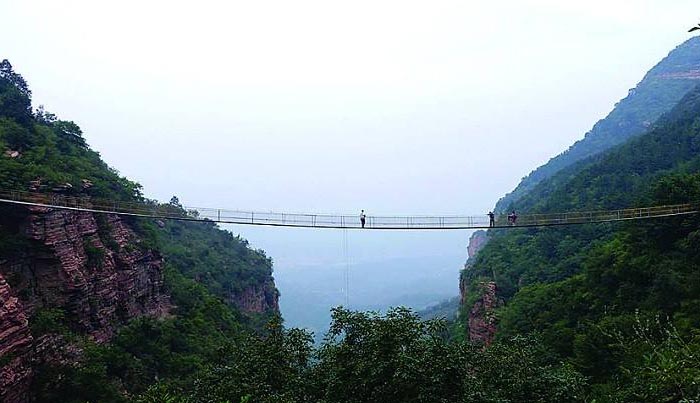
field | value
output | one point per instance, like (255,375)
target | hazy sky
(392,106)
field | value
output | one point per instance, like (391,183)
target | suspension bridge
(150,209)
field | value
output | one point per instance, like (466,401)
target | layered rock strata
(15,345)
(96,274)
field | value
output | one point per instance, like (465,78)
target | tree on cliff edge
(15,79)
(16,97)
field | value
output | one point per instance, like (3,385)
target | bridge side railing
(166,211)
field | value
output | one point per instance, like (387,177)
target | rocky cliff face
(258,298)
(482,321)
(15,344)
(97,275)
(477,241)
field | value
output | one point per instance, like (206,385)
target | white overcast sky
(396,107)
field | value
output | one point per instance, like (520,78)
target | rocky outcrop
(476,242)
(261,298)
(479,312)
(15,344)
(98,274)
(92,268)
(482,319)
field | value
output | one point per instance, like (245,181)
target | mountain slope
(620,177)
(78,288)
(660,89)
(592,291)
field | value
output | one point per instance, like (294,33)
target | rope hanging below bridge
(346,269)
(225,216)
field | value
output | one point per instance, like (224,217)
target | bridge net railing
(167,211)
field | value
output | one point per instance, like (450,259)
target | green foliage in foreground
(397,358)
(367,357)
(364,358)
(371,358)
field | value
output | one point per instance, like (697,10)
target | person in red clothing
(512,217)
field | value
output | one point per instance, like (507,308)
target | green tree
(15,96)
(7,73)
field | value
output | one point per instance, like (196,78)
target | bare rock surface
(97,274)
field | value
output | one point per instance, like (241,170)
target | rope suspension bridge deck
(150,209)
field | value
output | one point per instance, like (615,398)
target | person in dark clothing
(363,218)
(512,217)
(492,221)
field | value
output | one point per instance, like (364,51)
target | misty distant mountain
(660,89)
(308,292)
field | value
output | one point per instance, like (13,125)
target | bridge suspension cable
(151,209)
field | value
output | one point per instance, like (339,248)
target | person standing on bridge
(512,217)
(492,221)
(363,217)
